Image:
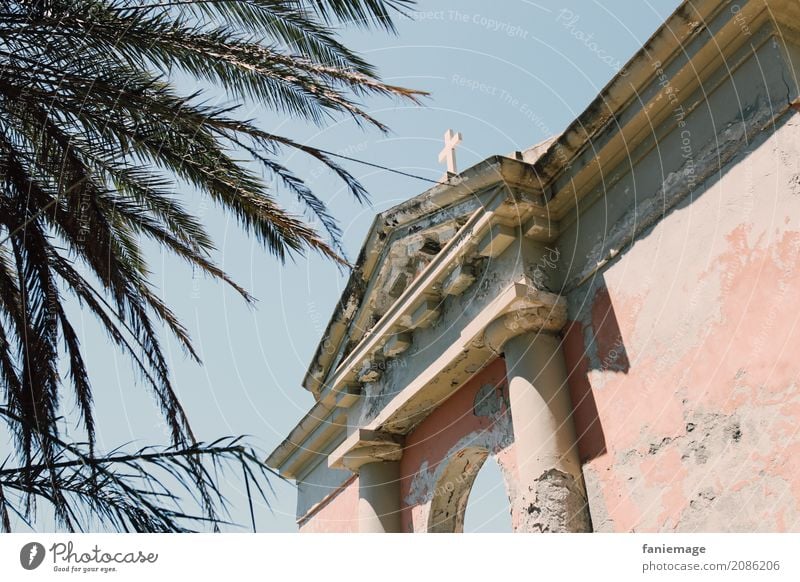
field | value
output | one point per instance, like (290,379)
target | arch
(488,507)
(449,500)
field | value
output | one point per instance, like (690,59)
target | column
(379,497)
(551,482)
(375,457)
(552,495)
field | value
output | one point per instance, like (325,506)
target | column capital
(366,446)
(549,317)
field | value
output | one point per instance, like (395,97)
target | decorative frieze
(496,240)
(458,280)
(541,229)
(397,344)
(425,313)
(371,370)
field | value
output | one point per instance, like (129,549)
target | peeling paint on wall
(701,431)
(476,418)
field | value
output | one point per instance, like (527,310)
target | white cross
(451,140)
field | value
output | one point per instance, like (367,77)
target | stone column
(552,496)
(375,456)
(379,497)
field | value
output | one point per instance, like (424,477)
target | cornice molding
(366,446)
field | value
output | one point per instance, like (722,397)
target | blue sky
(506,74)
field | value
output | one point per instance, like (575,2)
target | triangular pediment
(404,240)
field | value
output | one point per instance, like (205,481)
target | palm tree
(97,146)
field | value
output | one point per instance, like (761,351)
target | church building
(612,315)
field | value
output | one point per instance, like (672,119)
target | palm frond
(98,151)
(146,490)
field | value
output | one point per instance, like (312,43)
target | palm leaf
(98,151)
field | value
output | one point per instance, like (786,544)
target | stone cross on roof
(448,153)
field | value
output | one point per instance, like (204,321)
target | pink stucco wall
(685,370)
(338,513)
(453,426)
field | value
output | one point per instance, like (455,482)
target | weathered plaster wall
(338,513)
(320,482)
(475,421)
(703,132)
(683,350)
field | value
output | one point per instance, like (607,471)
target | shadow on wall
(595,346)
(596,343)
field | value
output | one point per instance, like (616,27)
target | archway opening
(452,490)
(488,509)
(455,490)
